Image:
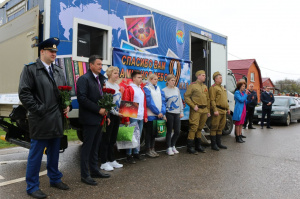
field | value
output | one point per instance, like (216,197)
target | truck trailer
(126,34)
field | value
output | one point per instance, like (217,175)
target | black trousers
(150,135)
(109,139)
(264,113)
(89,151)
(173,122)
(249,116)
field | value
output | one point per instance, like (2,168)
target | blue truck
(125,33)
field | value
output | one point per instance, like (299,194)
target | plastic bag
(135,142)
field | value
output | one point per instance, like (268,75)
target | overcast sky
(265,30)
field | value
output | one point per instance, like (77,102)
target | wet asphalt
(266,166)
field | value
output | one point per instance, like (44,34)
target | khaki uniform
(197,94)
(218,102)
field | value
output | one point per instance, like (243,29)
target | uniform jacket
(218,97)
(153,109)
(197,94)
(252,102)
(88,95)
(39,94)
(129,96)
(240,102)
(266,98)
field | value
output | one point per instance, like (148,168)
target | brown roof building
(250,69)
(268,82)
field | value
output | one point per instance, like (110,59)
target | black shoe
(99,174)
(38,194)
(269,127)
(88,180)
(238,140)
(138,157)
(198,146)
(218,139)
(251,127)
(243,136)
(190,149)
(130,159)
(214,143)
(60,185)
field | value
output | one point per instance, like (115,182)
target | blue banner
(128,61)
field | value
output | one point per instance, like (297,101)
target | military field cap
(216,74)
(199,72)
(49,44)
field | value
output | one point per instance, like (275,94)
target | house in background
(266,81)
(248,68)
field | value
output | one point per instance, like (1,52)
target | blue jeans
(35,159)
(141,124)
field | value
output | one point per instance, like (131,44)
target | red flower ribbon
(103,120)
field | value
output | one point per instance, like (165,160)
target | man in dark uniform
(219,108)
(251,103)
(196,96)
(39,94)
(267,98)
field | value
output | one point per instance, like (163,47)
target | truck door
(218,61)
(199,54)
(15,48)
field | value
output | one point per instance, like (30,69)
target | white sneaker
(115,164)
(106,167)
(169,151)
(174,150)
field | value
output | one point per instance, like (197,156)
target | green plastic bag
(160,127)
(125,133)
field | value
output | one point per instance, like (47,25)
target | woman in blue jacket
(156,110)
(239,114)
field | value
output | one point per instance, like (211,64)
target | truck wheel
(79,135)
(208,125)
(228,126)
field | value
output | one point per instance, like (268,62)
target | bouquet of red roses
(106,102)
(65,101)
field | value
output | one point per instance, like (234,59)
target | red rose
(111,91)
(60,88)
(104,90)
(69,88)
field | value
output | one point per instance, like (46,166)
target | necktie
(51,73)
(99,85)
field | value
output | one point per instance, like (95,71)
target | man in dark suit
(89,91)
(251,103)
(267,99)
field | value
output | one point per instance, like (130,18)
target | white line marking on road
(19,179)
(1,177)
(12,161)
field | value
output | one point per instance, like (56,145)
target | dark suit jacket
(252,102)
(88,95)
(266,98)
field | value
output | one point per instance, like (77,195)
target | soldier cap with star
(49,44)
(199,72)
(216,74)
